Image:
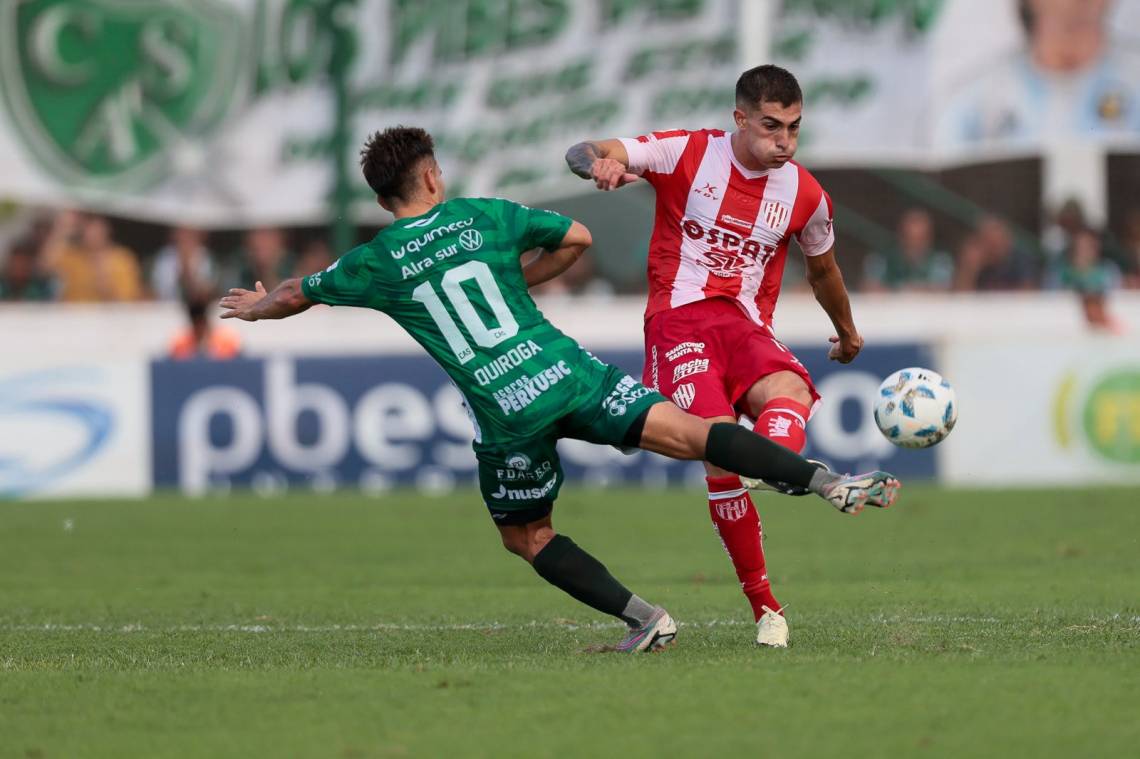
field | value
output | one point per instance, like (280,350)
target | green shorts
(521,478)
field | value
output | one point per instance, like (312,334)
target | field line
(268,628)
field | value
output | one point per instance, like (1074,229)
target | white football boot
(852,492)
(659,632)
(772,629)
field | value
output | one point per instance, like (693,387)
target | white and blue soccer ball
(915,408)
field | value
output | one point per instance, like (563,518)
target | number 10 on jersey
(452,286)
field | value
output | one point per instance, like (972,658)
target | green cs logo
(103,91)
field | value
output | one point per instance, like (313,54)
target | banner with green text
(220,112)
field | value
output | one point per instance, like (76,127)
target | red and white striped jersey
(721,230)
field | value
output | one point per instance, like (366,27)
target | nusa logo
(524,494)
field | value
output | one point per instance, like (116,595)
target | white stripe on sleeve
(817,237)
(657,155)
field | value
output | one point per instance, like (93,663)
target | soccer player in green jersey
(449,273)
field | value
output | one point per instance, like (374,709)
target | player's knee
(515,542)
(783,384)
(525,542)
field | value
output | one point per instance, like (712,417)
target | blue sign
(375,422)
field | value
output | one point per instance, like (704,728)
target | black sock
(566,566)
(738,450)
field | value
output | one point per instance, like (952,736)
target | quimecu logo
(1106,410)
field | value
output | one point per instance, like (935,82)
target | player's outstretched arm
(604,161)
(827,282)
(252,305)
(550,264)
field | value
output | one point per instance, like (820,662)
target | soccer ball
(915,408)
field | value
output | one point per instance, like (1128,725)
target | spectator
(184,268)
(1131,249)
(315,256)
(914,264)
(1086,272)
(204,337)
(1004,266)
(971,259)
(22,277)
(1058,236)
(265,259)
(90,266)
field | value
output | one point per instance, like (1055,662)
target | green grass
(957,624)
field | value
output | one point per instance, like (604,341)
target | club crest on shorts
(775,213)
(518,461)
(684,395)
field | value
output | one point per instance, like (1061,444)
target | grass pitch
(956,624)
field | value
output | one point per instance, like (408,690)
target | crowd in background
(71,256)
(74,257)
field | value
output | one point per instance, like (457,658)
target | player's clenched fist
(610,174)
(845,349)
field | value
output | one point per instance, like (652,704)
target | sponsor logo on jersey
(727,251)
(735,221)
(689,368)
(684,349)
(518,461)
(526,390)
(524,494)
(725,265)
(625,392)
(708,191)
(501,365)
(684,395)
(471,240)
(418,244)
(732,510)
(655,383)
(775,213)
(517,474)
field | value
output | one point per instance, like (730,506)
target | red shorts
(706,355)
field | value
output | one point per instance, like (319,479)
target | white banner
(219,112)
(1044,410)
(926,82)
(74,429)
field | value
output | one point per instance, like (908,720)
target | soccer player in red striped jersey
(727,207)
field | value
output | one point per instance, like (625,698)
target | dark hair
(389,159)
(1025,15)
(767,83)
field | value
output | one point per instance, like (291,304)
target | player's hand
(845,349)
(609,174)
(237,304)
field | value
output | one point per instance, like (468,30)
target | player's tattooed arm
(606,162)
(549,264)
(254,305)
(580,158)
(830,291)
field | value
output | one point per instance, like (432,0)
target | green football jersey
(452,279)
